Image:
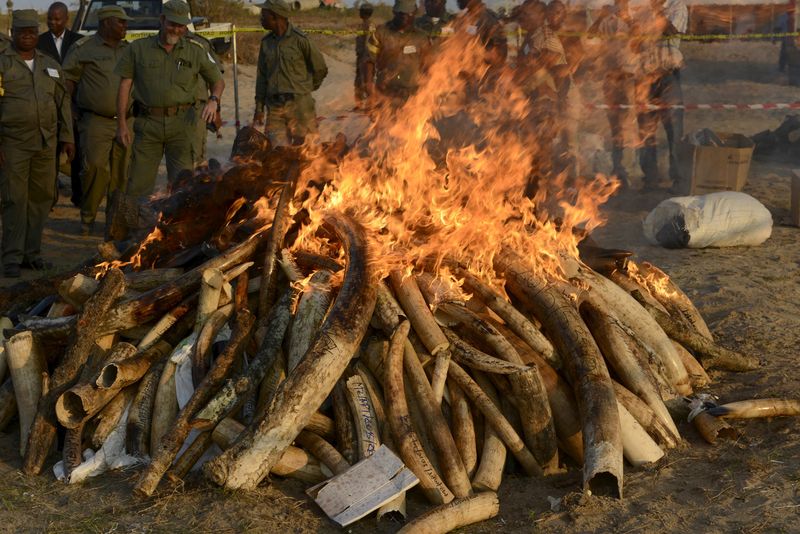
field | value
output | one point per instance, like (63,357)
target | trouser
(105,163)
(664,91)
(290,122)
(619,90)
(27,186)
(200,135)
(360,82)
(157,137)
(76,167)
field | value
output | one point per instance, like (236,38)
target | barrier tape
(691,107)
(211,34)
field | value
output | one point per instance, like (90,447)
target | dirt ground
(750,298)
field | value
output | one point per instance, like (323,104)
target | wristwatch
(214,98)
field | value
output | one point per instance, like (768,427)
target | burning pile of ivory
(266,358)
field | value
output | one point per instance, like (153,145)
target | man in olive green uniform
(201,131)
(398,54)
(35,119)
(165,69)
(290,67)
(436,22)
(89,71)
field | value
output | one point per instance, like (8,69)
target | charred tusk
(311,309)
(515,320)
(496,419)
(140,417)
(466,354)
(455,475)
(43,429)
(304,390)
(711,354)
(408,444)
(343,421)
(424,324)
(602,444)
(618,351)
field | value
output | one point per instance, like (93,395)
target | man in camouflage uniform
(89,71)
(35,119)
(165,69)
(290,67)
(398,55)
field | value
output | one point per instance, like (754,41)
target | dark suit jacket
(48,46)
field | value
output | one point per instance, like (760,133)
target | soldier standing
(398,55)
(203,92)
(35,119)
(362,56)
(436,22)
(290,67)
(89,72)
(165,69)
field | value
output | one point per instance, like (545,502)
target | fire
(136,260)
(655,281)
(428,196)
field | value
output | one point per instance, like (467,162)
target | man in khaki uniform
(398,54)
(290,67)
(165,69)
(201,131)
(35,118)
(89,71)
(436,22)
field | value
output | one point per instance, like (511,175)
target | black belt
(280,99)
(166,111)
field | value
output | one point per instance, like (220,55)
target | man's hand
(258,118)
(69,150)
(209,111)
(123,135)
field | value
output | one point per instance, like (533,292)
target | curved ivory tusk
(456,514)
(756,408)
(26,363)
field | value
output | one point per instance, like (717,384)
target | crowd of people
(112,108)
(115,108)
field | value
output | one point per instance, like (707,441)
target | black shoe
(11,270)
(86,228)
(37,265)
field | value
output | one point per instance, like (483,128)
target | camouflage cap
(112,11)
(405,6)
(24,18)
(279,7)
(176,11)
(366,7)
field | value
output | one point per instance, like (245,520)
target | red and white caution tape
(690,107)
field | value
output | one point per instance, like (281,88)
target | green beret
(405,6)
(25,18)
(176,11)
(112,11)
(279,7)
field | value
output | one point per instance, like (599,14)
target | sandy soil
(749,297)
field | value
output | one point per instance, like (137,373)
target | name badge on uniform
(447,30)
(53,73)
(472,29)
(409,49)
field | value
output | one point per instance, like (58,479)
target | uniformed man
(436,22)
(165,70)
(362,56)
(479,21)
(203,92)
(89,72)
(35,121)
(290,67)
(398,54)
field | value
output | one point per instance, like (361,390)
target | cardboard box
(706,169)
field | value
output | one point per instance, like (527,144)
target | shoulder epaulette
(298,31)
(197,43)
(83,40)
